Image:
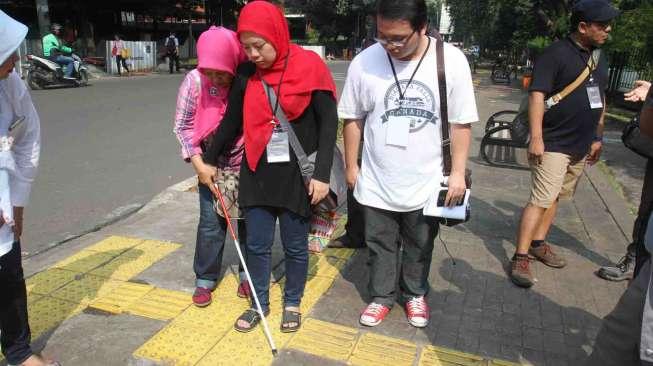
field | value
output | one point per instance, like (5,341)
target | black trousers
(14,329)
(173,59)
(120,60)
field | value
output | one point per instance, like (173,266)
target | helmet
(55,27)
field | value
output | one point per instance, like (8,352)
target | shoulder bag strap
(592,64)
(305,165)
(444,110)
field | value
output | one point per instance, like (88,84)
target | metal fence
(626,68)
(142,56)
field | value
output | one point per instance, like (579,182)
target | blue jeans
(209,247)
(260,237)
(66,62)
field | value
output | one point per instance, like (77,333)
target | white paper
(397,131)
(456,212)
(278,147)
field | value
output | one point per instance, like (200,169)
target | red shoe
(417,311)
(202,297)
(244,290)
(374,314)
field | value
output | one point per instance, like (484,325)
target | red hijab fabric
(305,73)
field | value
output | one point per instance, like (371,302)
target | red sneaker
(202,297)
(417,311)
(374,314)
(244,290)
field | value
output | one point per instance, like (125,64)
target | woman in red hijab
(271,184)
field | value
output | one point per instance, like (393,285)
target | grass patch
(615,185)
(620,114)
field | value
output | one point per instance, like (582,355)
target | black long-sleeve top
(279,184)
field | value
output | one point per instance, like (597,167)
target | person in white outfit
(19,157)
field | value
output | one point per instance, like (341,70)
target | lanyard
(590,62)
(275,108)
(394,72)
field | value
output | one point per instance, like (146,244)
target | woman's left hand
(317,191)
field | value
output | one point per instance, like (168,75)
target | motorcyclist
(54,50)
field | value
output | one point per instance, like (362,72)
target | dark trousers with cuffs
(417,233)
(14,328)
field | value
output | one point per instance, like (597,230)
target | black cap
(594,11)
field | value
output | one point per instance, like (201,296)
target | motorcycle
(42,73)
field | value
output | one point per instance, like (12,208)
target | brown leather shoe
(544,253)
(520,272)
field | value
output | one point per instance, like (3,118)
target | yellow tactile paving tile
(230,351)
(155,249)
(178,344)
(192,334)
(374,349)
(121,297)
(160,304)
(227,287)
(49,280)
(438,356)
(325,266)
(342,253)
(136,260)
(503,363)
(324,339)
(316,286)
(46,313)
(85,260)
(115,244)
(123,267)
(85,288)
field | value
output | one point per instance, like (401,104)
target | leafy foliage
(517,24)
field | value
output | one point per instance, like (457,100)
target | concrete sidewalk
(121,296)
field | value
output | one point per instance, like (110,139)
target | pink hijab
(218,48)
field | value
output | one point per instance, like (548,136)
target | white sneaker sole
(368,323)
(418,324)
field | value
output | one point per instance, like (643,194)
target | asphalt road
(106,148)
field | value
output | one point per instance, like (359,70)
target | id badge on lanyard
(398,130)
(278,149)
(594,94)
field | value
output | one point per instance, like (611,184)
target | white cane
(249,278)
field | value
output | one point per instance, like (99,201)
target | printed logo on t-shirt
(418,106)
(213,91)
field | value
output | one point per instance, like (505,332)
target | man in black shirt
(569,135)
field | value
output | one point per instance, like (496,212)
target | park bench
(498,148)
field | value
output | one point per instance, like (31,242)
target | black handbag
(633,138)
(337,195)
(446,140)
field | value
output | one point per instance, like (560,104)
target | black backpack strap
(444,110)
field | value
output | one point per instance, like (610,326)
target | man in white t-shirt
(392,92)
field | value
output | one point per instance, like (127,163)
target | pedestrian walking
(626,334)
(628,266)
(19,157)
(392,93)
(172,51)
(272,188)
(119,51)
(570,78)
(201,104)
